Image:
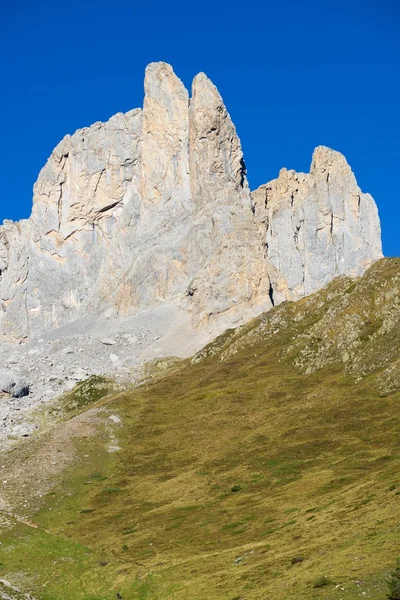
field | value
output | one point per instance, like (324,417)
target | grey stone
(108,341)
(80,374)
(10,592)
(13,384)
(68,350)
(34,351)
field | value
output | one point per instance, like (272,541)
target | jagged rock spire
(165,173)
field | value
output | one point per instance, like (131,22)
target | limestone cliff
(316,226)
(154,206)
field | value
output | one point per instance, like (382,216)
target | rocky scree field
(264,467)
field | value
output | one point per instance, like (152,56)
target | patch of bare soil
(28,471)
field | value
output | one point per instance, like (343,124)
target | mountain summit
(153,207)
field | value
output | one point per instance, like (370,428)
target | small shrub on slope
(394,583)
(322,581)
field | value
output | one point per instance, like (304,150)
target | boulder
(13,384)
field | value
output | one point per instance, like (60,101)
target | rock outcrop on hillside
(154,207)
(316,226)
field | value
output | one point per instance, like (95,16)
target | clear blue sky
(293,74)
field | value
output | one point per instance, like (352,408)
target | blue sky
(293,75)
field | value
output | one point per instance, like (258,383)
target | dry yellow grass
(269,461)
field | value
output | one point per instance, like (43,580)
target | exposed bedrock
(154,207)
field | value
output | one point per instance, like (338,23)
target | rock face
(316,226)
(154,207)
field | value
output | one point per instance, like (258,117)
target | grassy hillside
(266,467)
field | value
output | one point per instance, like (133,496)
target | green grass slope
(267,467)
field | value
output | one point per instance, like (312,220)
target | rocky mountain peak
(326,161)
(153,208)
(317,226)
(204,92)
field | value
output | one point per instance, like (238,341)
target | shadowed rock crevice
(271,294)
